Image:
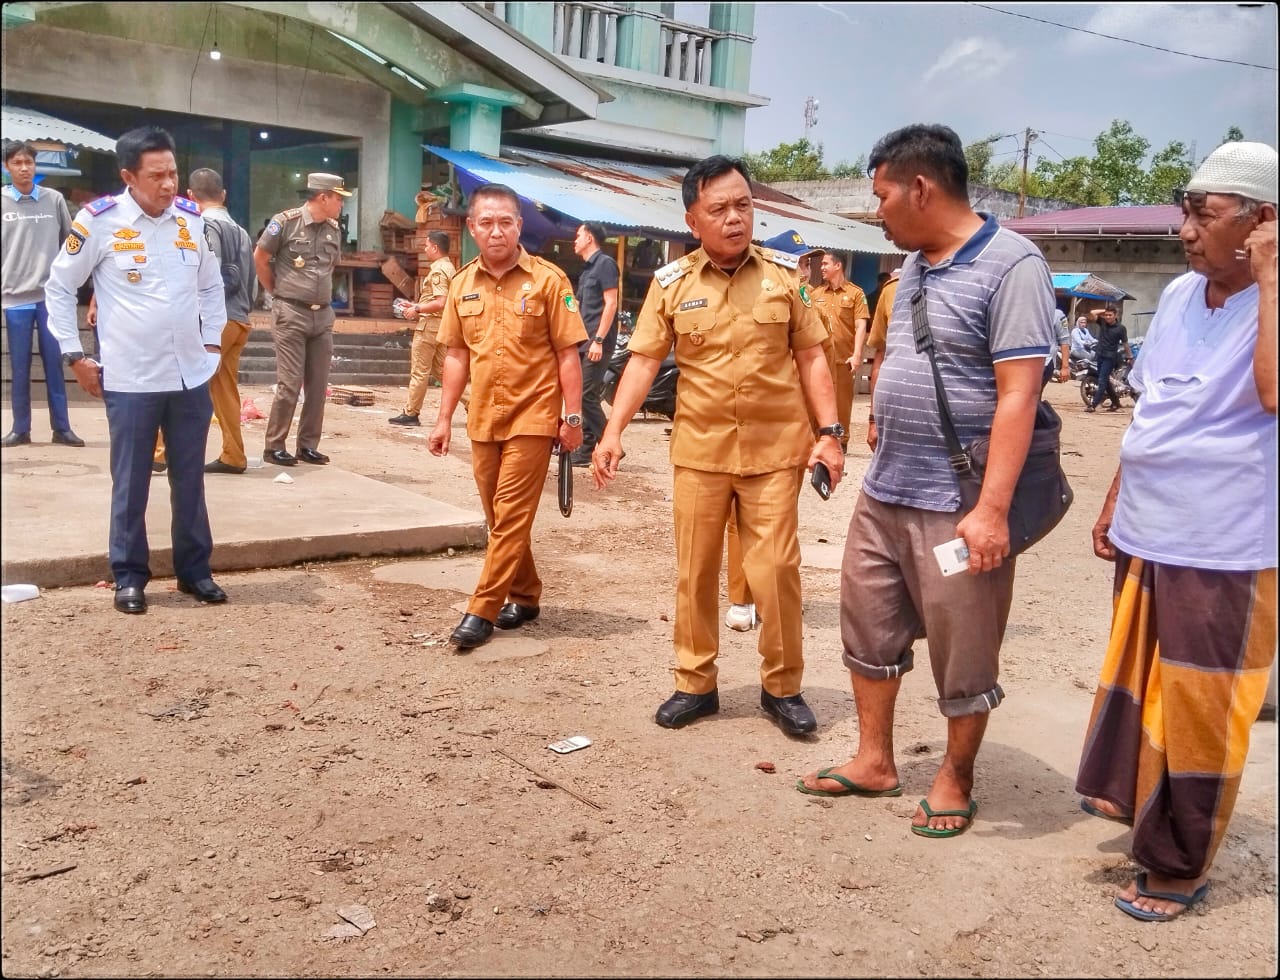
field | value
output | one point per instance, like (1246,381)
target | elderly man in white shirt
(161,313)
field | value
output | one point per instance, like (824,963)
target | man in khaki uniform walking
(511,325)
(427,356)
(844,306)
(295,258)
(749,348)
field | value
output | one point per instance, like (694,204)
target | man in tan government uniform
(844,306)
(427,356)
(295,258)
(796,254)
(511,325)
(749,349)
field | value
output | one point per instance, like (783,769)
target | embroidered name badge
(693,304)
(182,244)
(470,296)
(128,247)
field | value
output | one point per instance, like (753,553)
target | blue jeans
(1105,366)
(23,325)
(133,419)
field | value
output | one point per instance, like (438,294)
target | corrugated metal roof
(1150,219)
(1088,285)
(646,197)
(27,124)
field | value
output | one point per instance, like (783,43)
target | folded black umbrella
(566,483)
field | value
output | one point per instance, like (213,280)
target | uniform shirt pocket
(772,315)
(531,312)
(472,319)
(695,332)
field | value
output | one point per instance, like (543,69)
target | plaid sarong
(1184,676)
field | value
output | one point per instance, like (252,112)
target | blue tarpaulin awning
(1088,286)
(560,192)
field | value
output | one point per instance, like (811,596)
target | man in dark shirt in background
(1112,335)
(598,300)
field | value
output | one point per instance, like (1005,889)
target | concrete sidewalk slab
(55,502)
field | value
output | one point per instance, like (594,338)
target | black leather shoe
(130,600)
(218,466)
(513,615)
(404,418)
(278,456)
(66,437)
(311,456)
(682,708)
(473,631)
(205,589)
(159,467)
(16,439)
(793,716)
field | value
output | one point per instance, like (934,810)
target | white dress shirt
(159,293)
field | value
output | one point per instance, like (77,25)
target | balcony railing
(590,31)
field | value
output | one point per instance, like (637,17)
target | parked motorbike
(1119,381)
(661,399)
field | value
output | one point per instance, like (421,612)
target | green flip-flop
(927,831)
(850,787)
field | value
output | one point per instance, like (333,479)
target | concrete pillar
(237,145)
(640,38)
(404,178)
(731,57)
(536,21)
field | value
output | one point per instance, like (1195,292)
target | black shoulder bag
(1042,495)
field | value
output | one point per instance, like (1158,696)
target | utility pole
(810,115)
(1028,138)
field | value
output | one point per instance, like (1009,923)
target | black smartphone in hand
(821,480)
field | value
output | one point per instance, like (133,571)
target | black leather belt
(298,302)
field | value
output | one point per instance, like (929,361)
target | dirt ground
(222,780)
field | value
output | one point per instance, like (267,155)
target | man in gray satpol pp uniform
(295,259)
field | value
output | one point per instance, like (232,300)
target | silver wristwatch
(573,420)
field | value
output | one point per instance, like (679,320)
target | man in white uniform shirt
(160,317)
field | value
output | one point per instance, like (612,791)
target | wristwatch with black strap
(836,430)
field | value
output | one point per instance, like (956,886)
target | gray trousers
(304,352)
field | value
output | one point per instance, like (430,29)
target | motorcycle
(661,399)
(1119,381)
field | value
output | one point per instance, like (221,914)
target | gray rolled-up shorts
(893,593)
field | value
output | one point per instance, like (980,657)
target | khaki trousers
(225,392)
(768,526)
(304,353)
(844,379)
(510,476)
(426,363)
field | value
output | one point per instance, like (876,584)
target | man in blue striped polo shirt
(990,306)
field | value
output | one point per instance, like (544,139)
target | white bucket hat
(1247,169)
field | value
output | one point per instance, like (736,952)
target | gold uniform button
(695,339)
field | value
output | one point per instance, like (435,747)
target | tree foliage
(1122,170)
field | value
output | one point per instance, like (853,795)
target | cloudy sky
(984,71)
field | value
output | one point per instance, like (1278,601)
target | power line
(1112,37)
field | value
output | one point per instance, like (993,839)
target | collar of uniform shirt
(522,261)
(134,210)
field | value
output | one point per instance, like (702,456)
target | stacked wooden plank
(350,395)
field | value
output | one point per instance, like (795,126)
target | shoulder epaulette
(672,271)
(333,222)
(291,213)
(185,204)
(780,258)
(96,208)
